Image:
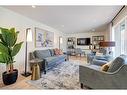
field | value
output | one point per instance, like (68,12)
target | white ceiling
(69,19)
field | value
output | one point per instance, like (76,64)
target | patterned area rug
(63,76)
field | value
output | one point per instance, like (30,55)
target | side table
(36,66)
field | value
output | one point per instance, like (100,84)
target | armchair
(115,78)
(100,59)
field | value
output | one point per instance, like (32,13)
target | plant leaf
(1,39)
(13,35)
(3,48)
(16,49)
(16,35)
(4,35)
(4,58)
(9,36)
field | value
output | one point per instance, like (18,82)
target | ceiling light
(33,6)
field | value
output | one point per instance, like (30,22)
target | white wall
(87,35)
(10,19)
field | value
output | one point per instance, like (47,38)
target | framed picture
(43,38)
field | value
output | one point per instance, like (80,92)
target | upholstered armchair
(105,57)
(115,77)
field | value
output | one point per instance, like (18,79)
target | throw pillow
(106,66)
(60,52)
(56,50)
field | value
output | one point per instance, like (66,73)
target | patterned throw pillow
(56,50)
(60,52)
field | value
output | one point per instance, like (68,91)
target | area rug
(63,76)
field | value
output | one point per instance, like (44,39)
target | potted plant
(8,50)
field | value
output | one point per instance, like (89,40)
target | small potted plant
(8,50)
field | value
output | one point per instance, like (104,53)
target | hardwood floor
(22,84)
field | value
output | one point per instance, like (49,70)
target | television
(83,41)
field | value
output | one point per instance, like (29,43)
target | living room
(59,38)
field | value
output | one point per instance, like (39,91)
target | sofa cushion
(55,58)
(117,63)
(52,52)
(100,58)
(52,58)
(41,54)
(61,56)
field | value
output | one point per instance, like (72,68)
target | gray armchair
(92,57)
(114,78)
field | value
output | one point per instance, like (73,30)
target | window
(119,33)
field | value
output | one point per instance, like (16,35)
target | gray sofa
(115,78)
(50,60)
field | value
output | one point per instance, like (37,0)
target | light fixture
(28,39)
(29,35)
(33,6)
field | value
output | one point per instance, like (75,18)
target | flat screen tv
(83,41)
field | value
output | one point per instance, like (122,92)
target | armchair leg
(81,85)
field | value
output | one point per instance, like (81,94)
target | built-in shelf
(96,40)
(71,44)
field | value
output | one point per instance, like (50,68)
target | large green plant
(8,47)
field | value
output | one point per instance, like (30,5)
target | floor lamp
(28,39)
